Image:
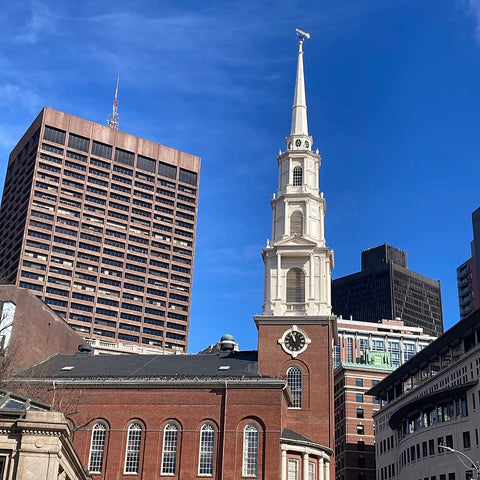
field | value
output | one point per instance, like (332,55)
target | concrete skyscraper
(468,273)
(101,224)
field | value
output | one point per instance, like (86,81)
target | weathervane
(301,35)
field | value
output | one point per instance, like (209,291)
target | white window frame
(206,450)
(297,175)
(295,385)
(312,470)
(97,448)
(250,450)
(293,468)
(170,449)
(132,448)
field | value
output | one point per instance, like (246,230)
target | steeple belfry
(297,261)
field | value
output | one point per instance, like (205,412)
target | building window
(312,471)
(294,381)
(250,450)
(296,287)
(359,382)
(449,441)
(206,450)
(296,223)
(169,452)
(132,453)
(360,429)
(360,413)
(359,397)
(350,350)
(431,447)
(97,447)
(466,440)
(293,469)
(297,176)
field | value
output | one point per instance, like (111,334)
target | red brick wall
(190,408)
(37,331)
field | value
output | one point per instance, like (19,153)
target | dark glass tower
(386,289)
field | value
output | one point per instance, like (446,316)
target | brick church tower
(296,330)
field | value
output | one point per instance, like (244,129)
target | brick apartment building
(265,414)
(101,224)
(366,353)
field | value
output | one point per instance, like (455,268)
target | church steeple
(297,261)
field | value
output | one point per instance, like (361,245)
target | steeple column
(312,276)
(279,274)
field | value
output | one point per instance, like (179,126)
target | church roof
(222,365)
(292,437)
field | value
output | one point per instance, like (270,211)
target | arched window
(250,450)
(295,384)
(132,452)
(297,176)
(296,286)
(206,450)
(97,448)
(169,452)
(296,223)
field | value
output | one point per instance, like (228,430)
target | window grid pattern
(295,384)
(206,452)
(132,453)
(297,176)
(250,450)
(169,452)
(97,448)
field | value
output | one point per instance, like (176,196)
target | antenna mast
(112,122)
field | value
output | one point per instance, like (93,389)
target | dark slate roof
(226,364)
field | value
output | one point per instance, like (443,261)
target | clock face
(295,341)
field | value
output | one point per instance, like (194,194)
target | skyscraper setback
(101,225)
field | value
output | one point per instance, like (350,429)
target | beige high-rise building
(101,224)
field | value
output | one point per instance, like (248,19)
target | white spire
(299,114)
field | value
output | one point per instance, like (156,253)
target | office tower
(100,224)
(386,288)
(468,273)
(365,354)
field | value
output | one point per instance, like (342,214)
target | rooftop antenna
(112,122)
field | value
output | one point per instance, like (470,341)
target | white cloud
(40,24)
(473,9)
(19,96)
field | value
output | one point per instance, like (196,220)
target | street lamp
(475,466)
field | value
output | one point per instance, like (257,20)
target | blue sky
(393,91)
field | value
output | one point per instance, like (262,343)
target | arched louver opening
(296,289)
(296,223)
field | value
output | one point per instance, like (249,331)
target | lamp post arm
(476,467)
